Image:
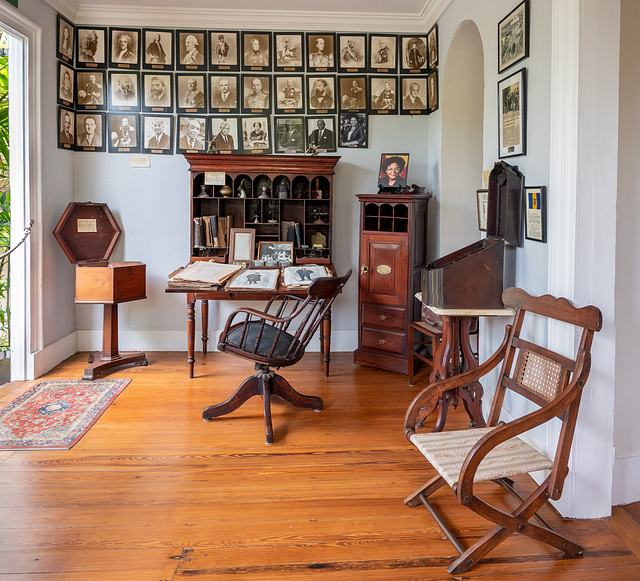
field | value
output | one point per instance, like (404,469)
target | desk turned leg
(109,357)
(471,394)
(325,340)
(205,325)
(191,333)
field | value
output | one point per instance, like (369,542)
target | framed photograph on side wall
(414,96)
(432,46)
(536,213)
(256,51)
(383,50)
(225,135)
(512,115)
(353,130)
(414,54)
(157,134)
(393,170)
(66,82)
(90,131)
(256,134)
(124,52)
(289,134)
(223,91)
(289,51)
(290,94)
(321,48)
(66,129)
(91,47)
(66,33)
(224,50)
(352,53)
(123,91)
(124,131)
(482,199)
(90,90)
(384,94)
(432,91)
(513,37)
(191,48)
(192,93)
(157,92)
(158,49)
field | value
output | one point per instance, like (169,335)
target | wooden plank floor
(152,492)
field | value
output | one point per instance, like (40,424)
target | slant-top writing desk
(280,198)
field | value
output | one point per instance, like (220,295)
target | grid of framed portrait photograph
(164,78)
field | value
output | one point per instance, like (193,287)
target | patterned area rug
(56,413)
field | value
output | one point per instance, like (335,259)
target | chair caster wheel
(318,410)
(207,419)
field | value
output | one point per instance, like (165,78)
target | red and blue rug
(56,413)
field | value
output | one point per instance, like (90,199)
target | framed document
(242,245)
(536,213)
(512,115)
(482,199)
(513,37)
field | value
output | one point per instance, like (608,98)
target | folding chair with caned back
(463,458)
(272,340)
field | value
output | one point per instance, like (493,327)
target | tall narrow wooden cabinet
(393,248)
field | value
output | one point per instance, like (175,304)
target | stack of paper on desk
(302,275)
(264,279)
(202,273)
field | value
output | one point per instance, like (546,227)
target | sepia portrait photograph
(414,96)
(384,94)
(224,51)
(290,94)
(224,134)
(191,134)
(432,45)
(256,51)
(89,131)
(224,93)
(91,47)
(352,53)
(290,134)
(66,128)
(321,133)
(90,90)
(65,36)
(321,51)
(432,91)
(414,54)
(321,94)
(157,134)
(66,81)
(289,51)
(158,49)
(256,137)
(191,48)
(157,92)
(124,47)
(256,94)
(383,53)
(123,133)
(353,129)
(353,93)
(191,91)
(513,37)
(123,91)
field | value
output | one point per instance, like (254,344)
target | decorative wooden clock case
(393,229)
(267,193)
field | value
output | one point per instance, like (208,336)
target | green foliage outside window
(5,198)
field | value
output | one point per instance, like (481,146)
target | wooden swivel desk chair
(463,458)
(270,341)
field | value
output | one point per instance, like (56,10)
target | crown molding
(181,17)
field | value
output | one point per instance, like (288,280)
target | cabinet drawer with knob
(384,317)
(386,341)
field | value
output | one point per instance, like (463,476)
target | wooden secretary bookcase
(281,197)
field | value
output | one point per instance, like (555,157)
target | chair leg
(281,387)
(248,388)
(265,380)
(425,490)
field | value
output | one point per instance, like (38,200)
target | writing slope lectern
(88,233)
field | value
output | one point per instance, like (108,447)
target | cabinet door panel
(385,280)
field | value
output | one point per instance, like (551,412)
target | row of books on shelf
(214,275)
(212,231)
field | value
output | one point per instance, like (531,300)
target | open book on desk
(302,275)
(202,273)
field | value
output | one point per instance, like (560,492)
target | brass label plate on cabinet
(383,269)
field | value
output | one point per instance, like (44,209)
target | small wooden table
(453,356)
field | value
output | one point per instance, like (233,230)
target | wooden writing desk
(205,295)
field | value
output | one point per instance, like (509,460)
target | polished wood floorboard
(152,492)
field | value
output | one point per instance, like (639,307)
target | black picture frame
(393,170)
(124,132)
(353,134)
(157,49)
(192,93)
(91,47)
(65,34)
(433,48)
(482,200)
(512,115)
(289,52)
(224,53)
(383,91)
(513,37)
(191,126)
(220,125)
(535,214)
(66,128)
(353,91)
(413,86)
(383,53)
(83,129)
(157,90)
(224,93)
(256,138)
(66,85)
(256,93)
(289,134)
(414,54)
(124,48)
(321,94)
(91,90)
(191,50)
(433,101)
(290,94)
(321,138)
(351,52)
(124,91)
(321,52)
(163,127)
(256,51)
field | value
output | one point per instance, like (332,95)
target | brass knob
(364,269)
(383,317)
(382,341)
